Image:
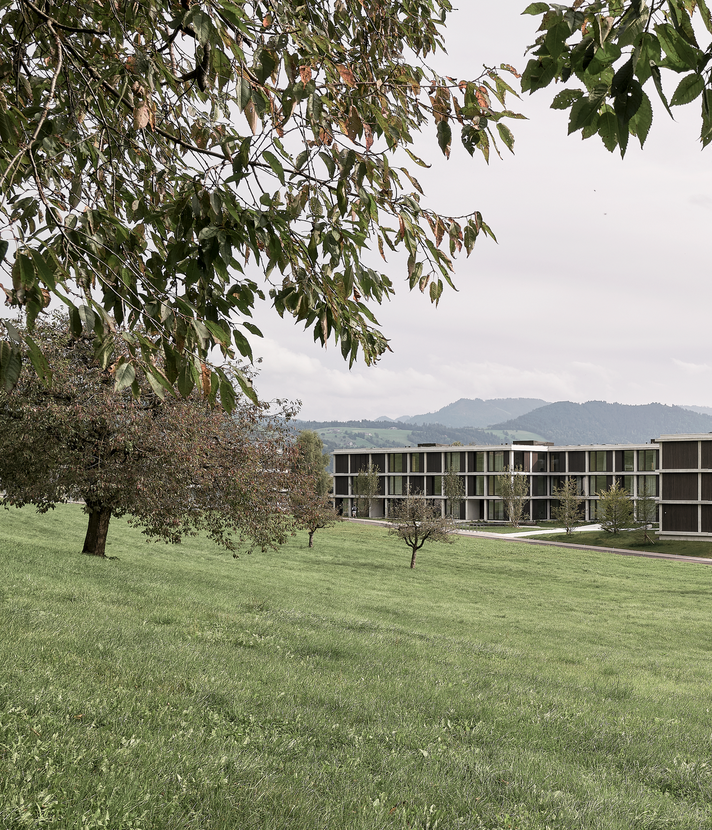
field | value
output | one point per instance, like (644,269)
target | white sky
(597,289)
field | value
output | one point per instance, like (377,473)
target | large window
(628,460)
(647,485)
(497,461)
(479,462)
(395,486)
(648,460)
(416,463)
(626,483)
(597,484)
(495,511)
(453,462)
(494,486)
(395,462)
(557,462)
(597,461)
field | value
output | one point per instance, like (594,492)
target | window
(494,486)
(452,462)
(597,484)
(597,461)
(395,463)
(538,462)
(648,460)
(479,486)
(496,511)
(557,462)
(539,485)
(497,461)
(479,462)
(416,463)
(647,485)
(626,483)
(628,460)
(395,486)
(437,485)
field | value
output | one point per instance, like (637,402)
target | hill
(597,422)
(476,412)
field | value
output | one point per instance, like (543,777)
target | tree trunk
(311,538)
(95,540)
(412,558)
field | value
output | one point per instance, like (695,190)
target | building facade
(675,469)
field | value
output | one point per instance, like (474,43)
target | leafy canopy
(166,166)
(617,49)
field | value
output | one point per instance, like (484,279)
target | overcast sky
(596,290)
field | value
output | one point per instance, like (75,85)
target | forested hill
(597,422)
(355,434)
(476,412)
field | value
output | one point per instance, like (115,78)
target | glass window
(538,462)
(597,461)
(396,485)
(479,462)
(494,486)
(628,460)
(557,462)
(520,461)
(539,485)
(437,485)
(416,463)
(596,484)
(627,484)
(647,485)
(479,485)
(452,461)
(647,460)
(395,463)
(495,511)
(497,461)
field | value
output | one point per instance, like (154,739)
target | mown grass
(632,540)
(498,685)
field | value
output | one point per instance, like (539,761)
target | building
(685,479)
(422,469)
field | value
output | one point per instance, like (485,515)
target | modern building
(675,469)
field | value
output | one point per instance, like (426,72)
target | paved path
(525,536)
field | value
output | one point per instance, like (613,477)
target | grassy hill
(495,686)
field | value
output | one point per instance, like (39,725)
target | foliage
(513,487)
(176,466)
(567,510)
(454,492)
(416,521)
(614,50)
(615,509)
(646,511)
(149,153)
(365,487)
(311,503)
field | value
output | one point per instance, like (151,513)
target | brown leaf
(205,379)
(305,73)
(439,231)
(252,118)
(347,76)
(401,234)
(368,135)
(141,116)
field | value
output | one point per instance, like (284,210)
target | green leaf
(10,365)
(689,88)
(506,135)
(608,130)
(243,93)
(14,334)
(642,121)
(246,386)
(4,244)
(536,8)
(444,137)
(275,164)
(124,376)
(227,396)
(186,382)
(157,387)
(566,98)
(39,361)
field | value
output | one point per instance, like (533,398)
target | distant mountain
(703,410)
(597,422)
(469,412)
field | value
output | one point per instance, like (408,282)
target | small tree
(454,492)
(568,509)
(514,490)
(646,511)
(615,509)
(311,503)
(416,521)
(366,488)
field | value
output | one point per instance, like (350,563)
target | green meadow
(497,685)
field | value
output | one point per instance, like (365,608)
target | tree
(646,511)
(615,509)
(568,509)
(416,521)
(365,487)
(514,490)
(148,154)
(613,50)
(311,503)
(177,466)
(454,492)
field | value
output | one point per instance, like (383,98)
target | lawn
(497,685)
(632,540)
